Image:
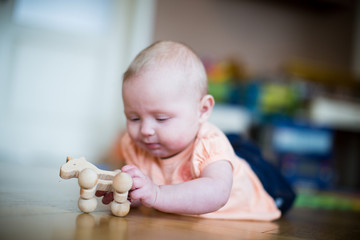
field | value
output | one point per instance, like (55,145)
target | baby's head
(172,56)
(165,98)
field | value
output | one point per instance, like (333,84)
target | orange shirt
(248,199)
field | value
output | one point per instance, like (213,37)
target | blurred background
(285,74)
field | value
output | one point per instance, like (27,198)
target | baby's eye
(162,119)
(134,119)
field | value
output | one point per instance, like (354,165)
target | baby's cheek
(175,139)
(132,132)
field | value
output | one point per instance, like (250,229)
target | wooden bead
(122,182)
(88,178)
(120,197)
(87,193)
(87,205)
(120,209)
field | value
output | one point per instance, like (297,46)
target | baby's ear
(206,107)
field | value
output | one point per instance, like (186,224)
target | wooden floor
(35,203)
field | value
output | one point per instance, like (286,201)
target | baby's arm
(205,194)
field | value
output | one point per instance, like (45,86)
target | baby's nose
(147,129)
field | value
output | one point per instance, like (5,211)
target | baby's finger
(100,193)
(137,183)
(134,195)
(128,168)
(133,171)
(108,198)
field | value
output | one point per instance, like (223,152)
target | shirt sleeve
(209,148)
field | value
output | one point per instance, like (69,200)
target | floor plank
(35,203)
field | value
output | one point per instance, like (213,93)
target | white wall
(60,75)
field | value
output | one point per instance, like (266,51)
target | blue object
(272,180)
(305,154)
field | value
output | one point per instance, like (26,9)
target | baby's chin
(158,152)
(163,155)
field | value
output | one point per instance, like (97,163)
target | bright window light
(80,16)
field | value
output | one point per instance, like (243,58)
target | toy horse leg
(122,183)
(88,180)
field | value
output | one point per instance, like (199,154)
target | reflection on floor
(35,203)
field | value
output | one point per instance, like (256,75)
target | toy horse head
(74,166)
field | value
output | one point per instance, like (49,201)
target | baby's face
(163,116)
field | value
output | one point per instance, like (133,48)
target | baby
(179,162)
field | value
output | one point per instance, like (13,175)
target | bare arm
(205,194)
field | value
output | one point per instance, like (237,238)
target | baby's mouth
(152,146)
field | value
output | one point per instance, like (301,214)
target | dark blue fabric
(270,176)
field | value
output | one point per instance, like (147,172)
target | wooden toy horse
(91,179)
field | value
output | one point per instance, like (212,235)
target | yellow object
(321,73)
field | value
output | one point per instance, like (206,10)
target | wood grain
(35,203)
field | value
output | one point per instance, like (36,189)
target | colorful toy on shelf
(92,179)
(278,99)
(224,78)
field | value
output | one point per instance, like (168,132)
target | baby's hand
(143,189)
(108,197)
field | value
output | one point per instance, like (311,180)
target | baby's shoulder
(211,139)
(210,132)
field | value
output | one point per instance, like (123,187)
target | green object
(220,91)
(327,201)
